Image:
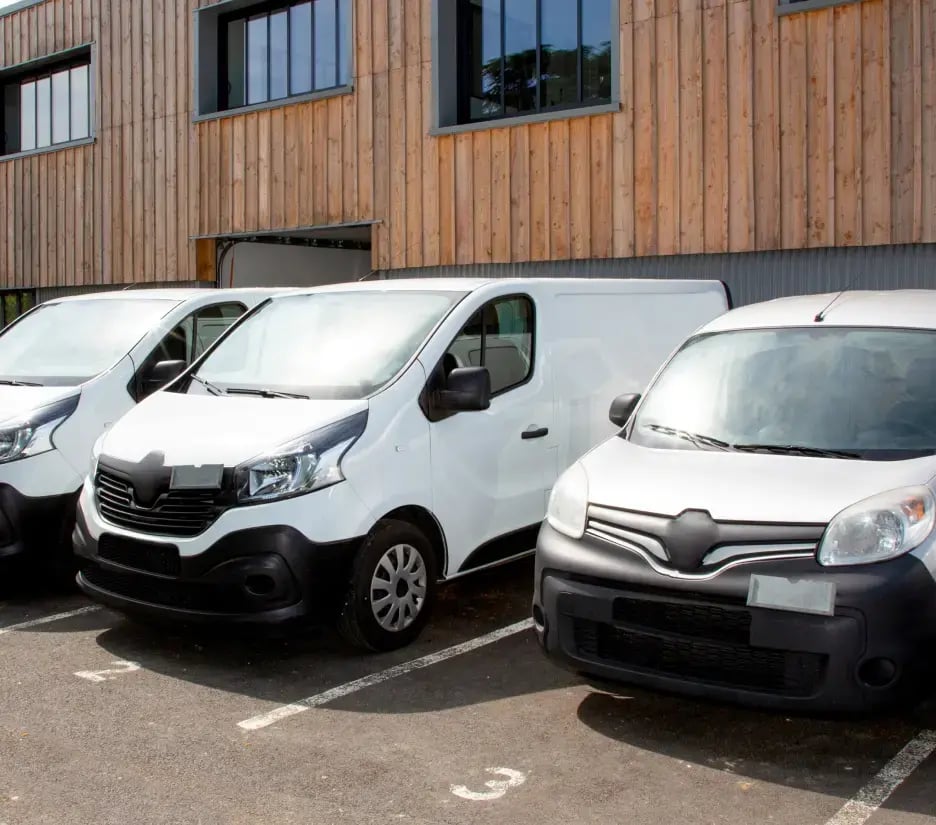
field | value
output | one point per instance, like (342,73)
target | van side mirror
(161,374)
(467,389)
(622,408)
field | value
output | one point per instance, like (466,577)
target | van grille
(178,513)
(716,623)
(787,673)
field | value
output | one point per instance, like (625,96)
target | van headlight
(568,502)
(33,435)
(879,528)
(300,466)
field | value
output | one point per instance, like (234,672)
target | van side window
(500,337)
(190,338)
(211,323)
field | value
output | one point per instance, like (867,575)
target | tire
(399,546)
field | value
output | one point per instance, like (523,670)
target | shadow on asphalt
(831,757)
(284,667)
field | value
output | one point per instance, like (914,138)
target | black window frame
(269,9)
(464,10)
(17,76)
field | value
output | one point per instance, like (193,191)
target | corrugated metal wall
(752,277)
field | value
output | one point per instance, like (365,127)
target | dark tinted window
(500,337)
(273,51)
(525,56)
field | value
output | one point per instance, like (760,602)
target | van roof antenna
(821,315)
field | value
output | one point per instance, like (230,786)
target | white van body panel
(609,343)
(740,487)
(472,472)
(192,430)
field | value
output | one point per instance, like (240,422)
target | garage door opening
(306,257)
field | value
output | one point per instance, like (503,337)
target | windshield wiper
(794,449)
(695,438)
(265,393)
(208,385)
(12,383)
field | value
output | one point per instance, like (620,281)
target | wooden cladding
(738,130)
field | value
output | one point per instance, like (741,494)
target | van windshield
(826,392)
(68,343)
(327,345)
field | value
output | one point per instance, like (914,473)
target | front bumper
(34,528)
(260,576)
(604,612)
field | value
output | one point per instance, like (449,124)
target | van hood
(16,403)
(753,487)
(204,429)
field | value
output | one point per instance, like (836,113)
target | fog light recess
(259,585)
(877,673)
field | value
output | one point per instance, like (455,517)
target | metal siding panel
(752,276)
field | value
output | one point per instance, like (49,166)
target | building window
(15,303)
(793,6)
(520,57)
(46,106)
(281,50)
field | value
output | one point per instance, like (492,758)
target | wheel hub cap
(398,587)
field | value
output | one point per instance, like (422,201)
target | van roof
(474,284)
(898,308)
(166,294)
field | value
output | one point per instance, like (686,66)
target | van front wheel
(392,588)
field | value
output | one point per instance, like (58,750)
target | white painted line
(46,619)
(120,667)
(266,719)
(498,787)
(860,808)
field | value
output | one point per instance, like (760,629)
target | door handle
(534,432)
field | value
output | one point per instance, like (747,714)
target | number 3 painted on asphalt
(104,675)
(498,787)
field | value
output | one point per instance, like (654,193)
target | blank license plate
(796,595)
(196,478)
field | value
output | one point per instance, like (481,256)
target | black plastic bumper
(34,528)
(604,612)
(263,576)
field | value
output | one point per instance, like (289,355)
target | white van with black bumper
(71,367)
(344,448)
(762,529)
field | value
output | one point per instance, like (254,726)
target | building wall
(738,131)
(121,209)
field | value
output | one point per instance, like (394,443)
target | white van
(762,529)
(346,447)
(68,369)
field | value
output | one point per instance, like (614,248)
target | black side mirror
(622,408)
(161,374)
(467,389)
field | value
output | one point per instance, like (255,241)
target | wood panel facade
(738,130)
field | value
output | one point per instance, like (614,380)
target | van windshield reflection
(68,343)
(816,392)
(327,345)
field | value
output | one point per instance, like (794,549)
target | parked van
(71,367)
(346,447)
(761,529)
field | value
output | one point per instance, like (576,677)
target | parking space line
(47,619)
(861,807)
(266,719)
